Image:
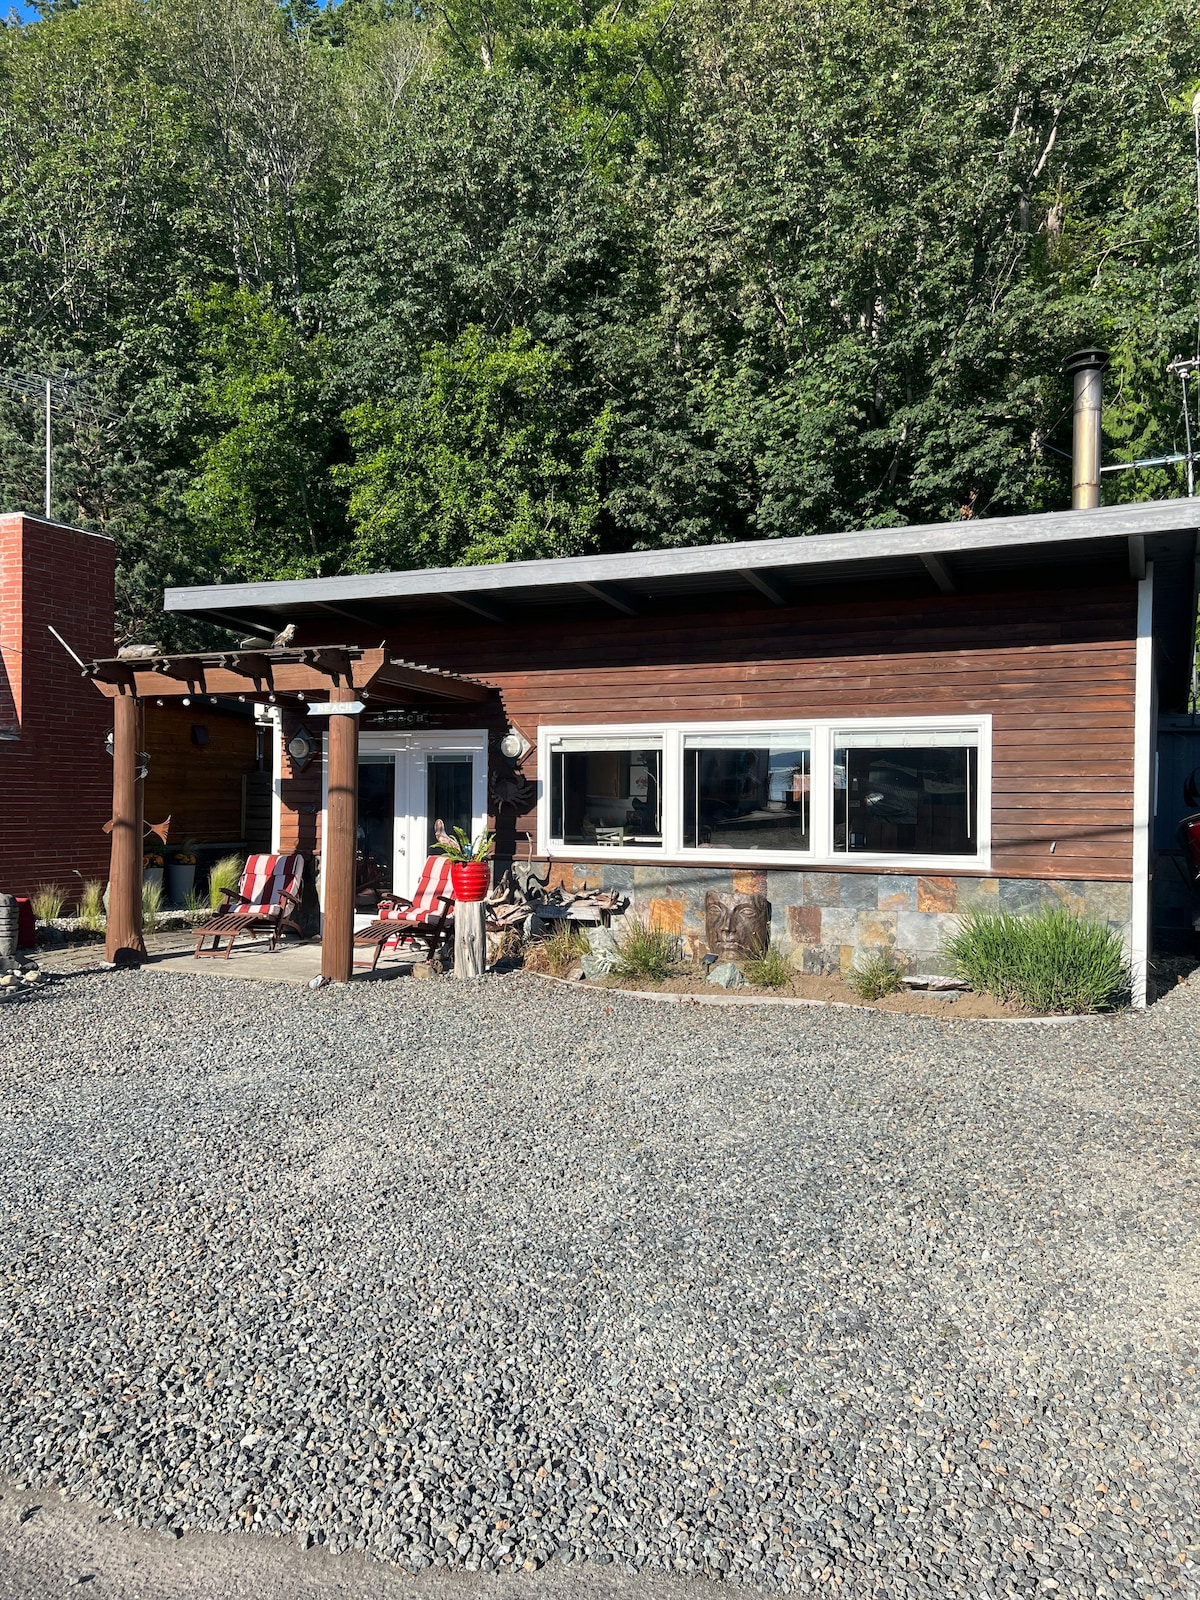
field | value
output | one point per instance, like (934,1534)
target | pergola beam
(402,675)
(233,672)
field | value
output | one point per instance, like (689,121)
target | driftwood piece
(470,947)
(735,925)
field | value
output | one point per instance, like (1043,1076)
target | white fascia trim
(821,731)
(276,780)
(1143,798)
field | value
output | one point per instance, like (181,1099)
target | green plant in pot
(470,873)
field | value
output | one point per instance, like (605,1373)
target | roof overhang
(780,571)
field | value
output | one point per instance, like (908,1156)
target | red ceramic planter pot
(470,880)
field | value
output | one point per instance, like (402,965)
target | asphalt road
(52,1549)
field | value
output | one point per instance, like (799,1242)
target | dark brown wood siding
(198,786)
(1054,667)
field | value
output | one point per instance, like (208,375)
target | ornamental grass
(645,952)
(1052,961)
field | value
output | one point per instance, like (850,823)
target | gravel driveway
(497,1275)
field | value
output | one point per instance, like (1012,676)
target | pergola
(332,680)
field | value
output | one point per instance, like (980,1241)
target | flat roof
(941,551)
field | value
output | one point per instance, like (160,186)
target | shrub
(1051,961)
(152,905)
(643,951)
(770,970)
(223,879)
(47,902)
(91,905)
(873,976)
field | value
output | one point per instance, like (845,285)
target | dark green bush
(1051,961)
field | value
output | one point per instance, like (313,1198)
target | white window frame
(822,733)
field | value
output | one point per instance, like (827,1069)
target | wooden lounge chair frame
(228,923)
(433,931)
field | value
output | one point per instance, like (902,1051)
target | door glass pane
(746,794)
(449,795)
(607,797)
(376,829)
(903,800)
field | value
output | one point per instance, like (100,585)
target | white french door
(406,783)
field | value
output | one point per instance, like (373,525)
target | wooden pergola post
(123,942)
(340,844)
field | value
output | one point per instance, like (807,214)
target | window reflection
(608,796)
(905,800)
(746,795)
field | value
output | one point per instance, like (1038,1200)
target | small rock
(422,969)
(599,965)
(727,976)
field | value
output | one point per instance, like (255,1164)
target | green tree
(479,466)
(263,495)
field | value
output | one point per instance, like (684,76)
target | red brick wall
(55,778)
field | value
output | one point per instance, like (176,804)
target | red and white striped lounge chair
(266,901)
(427,917)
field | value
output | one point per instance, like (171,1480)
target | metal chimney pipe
(1086,368)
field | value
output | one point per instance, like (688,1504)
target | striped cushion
(265,880)
(428,904)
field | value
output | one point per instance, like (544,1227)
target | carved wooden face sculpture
(735,925)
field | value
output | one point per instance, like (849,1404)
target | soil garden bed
(829,990)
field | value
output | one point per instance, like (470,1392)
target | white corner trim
(276,781)
(1143,798)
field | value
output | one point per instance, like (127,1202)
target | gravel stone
(491,1275)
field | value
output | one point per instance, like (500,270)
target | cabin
(876,730)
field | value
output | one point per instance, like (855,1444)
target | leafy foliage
(478,467)
(1053,961)
(380,284)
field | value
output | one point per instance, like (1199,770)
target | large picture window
(746,792)
(905,793)
(607,792)
(911,791)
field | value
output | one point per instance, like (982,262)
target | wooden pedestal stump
(470,942)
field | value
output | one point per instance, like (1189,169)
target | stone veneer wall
(826,918)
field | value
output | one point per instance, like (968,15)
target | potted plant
(152,867)
(181,876)
(470,873)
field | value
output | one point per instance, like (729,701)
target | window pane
(752,793)
(607,797)
(376,827)
(449,796)
(902,800)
